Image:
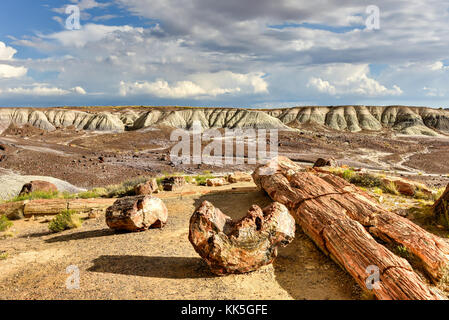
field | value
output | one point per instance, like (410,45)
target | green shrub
(5,224)
(391,188)
(37,195)
(94,193)
(201,179)
(67,219)
(366,180)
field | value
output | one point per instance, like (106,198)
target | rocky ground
(159,264)
(89,159)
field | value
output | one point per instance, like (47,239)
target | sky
(233,53)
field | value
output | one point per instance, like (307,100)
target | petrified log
(146,188)
(215,182)
(241,246)
(342,220)
(136,213)
(441,206)
(239,177)
(173,183)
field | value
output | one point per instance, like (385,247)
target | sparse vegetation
(37,195)
(5,224)
(3,255)
(67,219)
(403,252)
(390,187)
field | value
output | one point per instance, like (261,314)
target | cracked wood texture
(241,246)
(343,221)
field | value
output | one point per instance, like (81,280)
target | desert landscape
(85,160)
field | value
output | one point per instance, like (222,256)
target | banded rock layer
(404,120)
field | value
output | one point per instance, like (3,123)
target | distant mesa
(399,119)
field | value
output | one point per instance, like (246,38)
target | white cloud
(87,33)
(41,90)
(199,86)
(6,53)
(7,71)
(346,79)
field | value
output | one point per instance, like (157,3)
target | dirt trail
(159,264)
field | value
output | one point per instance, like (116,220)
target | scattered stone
(137,213)
(321,162)
(239,177)
(241,246)
(215,182)
(101,159)
(38,185)
(173,183)
(146,188)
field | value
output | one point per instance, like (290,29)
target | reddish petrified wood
(342,220)
(137,213)
(242,246)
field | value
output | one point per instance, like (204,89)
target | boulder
(329,162)
(215,182)
(38,185)
(239,177)
(146,188)
(241,246)
(173,183)
(137,213)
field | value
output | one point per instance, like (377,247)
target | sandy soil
(159,264)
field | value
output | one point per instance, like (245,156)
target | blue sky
(255,53)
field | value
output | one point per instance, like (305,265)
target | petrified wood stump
(344,221)
(136,213)
(241,246)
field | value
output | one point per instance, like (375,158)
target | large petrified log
(137,213)
(342,220)
(244,245)
(441,208)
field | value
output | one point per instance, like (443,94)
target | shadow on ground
(307,274)
(82,235)
(155,267)
(235,205)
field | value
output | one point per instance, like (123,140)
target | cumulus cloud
(302,51)
(88,33)
(199,86)
(351,79)
(6,70)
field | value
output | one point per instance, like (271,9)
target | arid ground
(161,264)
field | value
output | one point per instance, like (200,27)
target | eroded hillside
(400,119)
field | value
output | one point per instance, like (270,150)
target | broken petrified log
(137,213)
(173,183)
(239,177)
(215,182)
(146,188)
(342,220)
(242,246)
(441,208)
